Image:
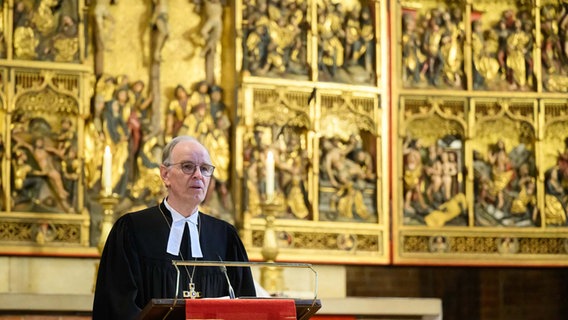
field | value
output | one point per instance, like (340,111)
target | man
(136,262)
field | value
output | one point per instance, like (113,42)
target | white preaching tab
(176,233)
(194,235)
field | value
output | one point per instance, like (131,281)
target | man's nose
(197,172)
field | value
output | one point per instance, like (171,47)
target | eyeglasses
(189,168)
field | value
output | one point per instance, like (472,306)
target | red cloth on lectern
(240,309)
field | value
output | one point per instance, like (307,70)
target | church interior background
(414,149)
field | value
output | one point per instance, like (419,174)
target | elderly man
(136,266)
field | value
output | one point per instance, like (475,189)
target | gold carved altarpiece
(441,137)
(481,132)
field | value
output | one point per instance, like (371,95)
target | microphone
(224,270)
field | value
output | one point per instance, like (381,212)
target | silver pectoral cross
(192,294)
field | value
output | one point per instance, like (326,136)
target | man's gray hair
(167,153)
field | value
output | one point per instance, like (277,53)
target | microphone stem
(231,291)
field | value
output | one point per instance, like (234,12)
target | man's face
(182,187)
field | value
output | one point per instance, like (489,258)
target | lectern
(230,309)
(243,308)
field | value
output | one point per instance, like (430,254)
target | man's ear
(164,174)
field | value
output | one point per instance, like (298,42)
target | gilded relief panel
(46,30)
(504,165)
(165,82)
(325,146)
(433,134)
(504,45)
(283,134)
(43,130)
(275,38)
(554,170)
(346,41)
(348,178)
(43,189)
(501,54)
(553,34)
(324,40)
(432,44)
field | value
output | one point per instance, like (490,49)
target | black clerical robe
(135,267)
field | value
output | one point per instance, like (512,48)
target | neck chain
(191,293)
